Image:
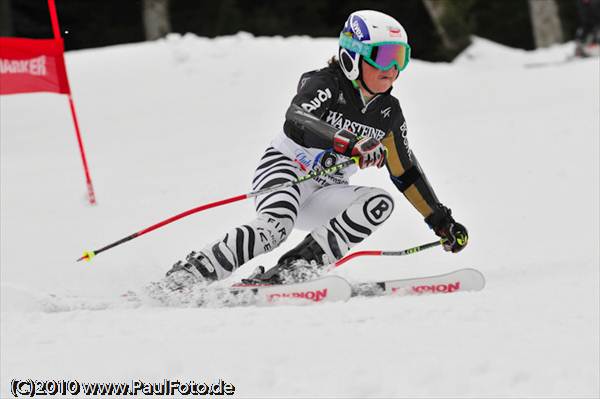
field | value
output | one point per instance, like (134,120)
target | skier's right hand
(370,152)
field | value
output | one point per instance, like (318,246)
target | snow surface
(172,124)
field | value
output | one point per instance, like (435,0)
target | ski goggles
(382,55)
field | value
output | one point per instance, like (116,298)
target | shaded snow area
(512,148)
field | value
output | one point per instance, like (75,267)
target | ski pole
(403,252)
(88,255)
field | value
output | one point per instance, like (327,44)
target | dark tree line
(95,23)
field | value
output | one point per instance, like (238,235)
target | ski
(461,280)
(320,290)
(333,288)
(326,289)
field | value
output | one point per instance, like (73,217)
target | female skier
(357,117)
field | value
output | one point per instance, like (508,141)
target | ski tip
(477,278)
(87,256)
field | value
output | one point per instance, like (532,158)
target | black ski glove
(455,235)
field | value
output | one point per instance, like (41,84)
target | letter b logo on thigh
(378,209)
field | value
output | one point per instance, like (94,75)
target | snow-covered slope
(176,123)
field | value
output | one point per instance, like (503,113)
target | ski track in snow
(513,150)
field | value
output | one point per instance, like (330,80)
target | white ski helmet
(377,38)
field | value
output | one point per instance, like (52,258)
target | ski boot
(304,262)
(196,269)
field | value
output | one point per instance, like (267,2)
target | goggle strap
(350,43)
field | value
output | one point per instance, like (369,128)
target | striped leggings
(338,216)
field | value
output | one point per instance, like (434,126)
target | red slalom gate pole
(88,179)
(54,19)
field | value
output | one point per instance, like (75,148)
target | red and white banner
(32,65)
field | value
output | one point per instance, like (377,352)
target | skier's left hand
(454,234)
(455,237)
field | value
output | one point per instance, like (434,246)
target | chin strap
(364,85)
(361,80)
